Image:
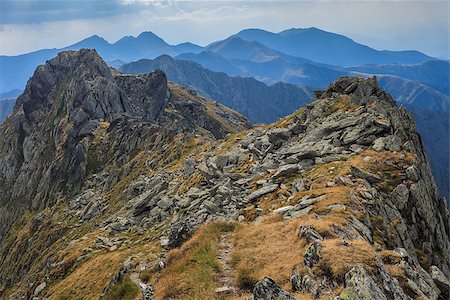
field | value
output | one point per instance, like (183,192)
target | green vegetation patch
(125,290)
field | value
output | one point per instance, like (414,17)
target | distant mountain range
(261,46)
(329,48)
(257,101)
(243,58)
(267,75)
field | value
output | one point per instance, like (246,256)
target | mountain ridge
(336,199)
(335,49)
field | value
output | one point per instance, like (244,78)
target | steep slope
(335,199)
(326,47)
(257,101)
(432,115)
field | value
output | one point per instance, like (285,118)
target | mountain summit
(126,186)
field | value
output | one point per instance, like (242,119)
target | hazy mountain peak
(149,36)
(293,31)
(165,58)
(95,38)
(90,42)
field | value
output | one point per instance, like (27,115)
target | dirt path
(225,277)
(146,291)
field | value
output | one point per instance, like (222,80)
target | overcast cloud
(27,25)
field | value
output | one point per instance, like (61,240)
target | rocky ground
(126,185)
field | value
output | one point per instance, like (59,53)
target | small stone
(441,281)
(312,254)
(283,209)
(360,173)
(412,173)
(260,192)
(39,288)
(359,285)
(112,248)
(225,290)
(310,233)
(337,206)
(367,159)
(184,202)
(164,242)
(356,148)
(379,144)
(302,212)
(286,170)
(211,206)
(304,284)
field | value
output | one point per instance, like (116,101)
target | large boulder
(360,286)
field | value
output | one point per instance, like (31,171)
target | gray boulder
(360,286)
(267,289)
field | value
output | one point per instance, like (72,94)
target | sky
(28,25)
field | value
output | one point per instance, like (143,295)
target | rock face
(112,171)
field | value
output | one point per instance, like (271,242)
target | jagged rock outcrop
(344,181)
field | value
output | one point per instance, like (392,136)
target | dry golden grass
(68,257)
(191,269)
(337,259)
(90,277)
(270,248)
(341,104)
(396,271)
(390,257)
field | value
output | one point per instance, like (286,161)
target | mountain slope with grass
(122,186)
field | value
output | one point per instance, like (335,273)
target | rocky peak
(72,70)
(45,155)
(79,85)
